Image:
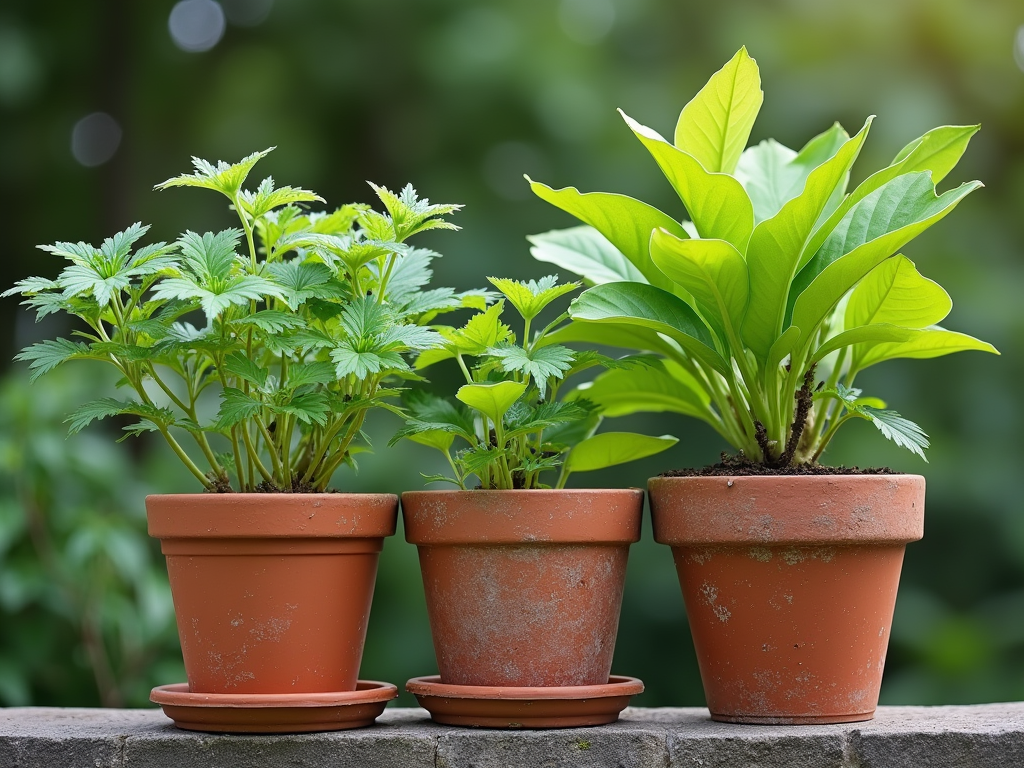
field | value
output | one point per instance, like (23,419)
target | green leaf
(610,448)
(649,307)
(551,361)
(301,281)
(235,407)
(716,202)
(585,252)
(492,400)
(937,151)
(922,344)
(222,177)
(408,214)
(873,333)
(307,407)
(712,271)
(302,374)
(714,126)
(903,432)
(266,198)
(351,361)
(665,387)
(241,366)
(612,335)
(271,321)
(44,356)
(773,174)
(530,298)
(773,255)
(895,292)
(625,222)
(877,227)
(481,331)
(108,406)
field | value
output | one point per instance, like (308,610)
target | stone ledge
(983,736)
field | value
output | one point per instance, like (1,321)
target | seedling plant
(301,322)
(780,289)
(512,428)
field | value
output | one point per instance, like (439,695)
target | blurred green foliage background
(462,97)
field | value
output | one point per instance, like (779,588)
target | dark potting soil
(742,466)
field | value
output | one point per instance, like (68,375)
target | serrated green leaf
(714,126)
(241,366)
(235,407)
(531,297)
(540,364)
(44,356)
(301,281)
(351,361)
(266,198)
(223,177)
(302,374)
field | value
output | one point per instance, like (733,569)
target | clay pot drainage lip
(529,707)
(274,712)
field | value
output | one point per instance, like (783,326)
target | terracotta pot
(272,591)
(790,584)
(523,587)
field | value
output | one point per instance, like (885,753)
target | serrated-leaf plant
(511,426)
(780,288)
(300,322)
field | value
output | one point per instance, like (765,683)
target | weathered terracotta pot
(272,591)
(790,584)
(523,587)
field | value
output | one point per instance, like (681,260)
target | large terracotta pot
(272,591)
(523,587)
(790,584)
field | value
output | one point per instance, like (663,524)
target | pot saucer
(273,712)
(534,707)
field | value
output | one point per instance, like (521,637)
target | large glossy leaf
(610,448)
(774,252)
(874,333)
(649,307)
(922,344)
(492,400)
(937,151)
(627,223)
(647,389)
(895,292)
(612,335)
(712,271)
(773,174)
(878,226)
(715,125)
(585,252)
(716,202)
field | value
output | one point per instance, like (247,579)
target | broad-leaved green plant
(511,425)
(780,289)
(300,334)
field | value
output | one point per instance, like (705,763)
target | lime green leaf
(492,400)
(408,214)
(542,363)
(715,125)
(531,297)
(585,252)
(266,198)
(612,335)
(300,281)
(611,448)
(776,244)
(44,356)
(903,432)
(877,227)
(937,151)
(716,202)
(627,223)
(351,361)
(895,292)
(712,271)
(773,174)
(223,177)
(654,389)
(649,307)
(922,344)
(873,333)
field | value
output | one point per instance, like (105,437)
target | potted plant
(764,307)
(268,362)
(523,580)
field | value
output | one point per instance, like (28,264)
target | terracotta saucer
(273,712)
(509,707)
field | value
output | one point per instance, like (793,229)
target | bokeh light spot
(95,139)
(247,13)
(1018,47)
(586,21)
(196,25)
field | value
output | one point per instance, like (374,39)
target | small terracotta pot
(523,587)
(790,584)
(272,591)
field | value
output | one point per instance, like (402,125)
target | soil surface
(740,465)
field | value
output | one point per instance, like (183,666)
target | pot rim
(787,510)
(271,515)
(543,516)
